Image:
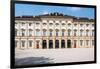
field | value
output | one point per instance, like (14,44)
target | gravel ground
(44,56)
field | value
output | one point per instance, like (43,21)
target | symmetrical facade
(53,31)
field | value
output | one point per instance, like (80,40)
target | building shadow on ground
(33,61)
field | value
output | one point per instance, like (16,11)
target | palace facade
(54,31)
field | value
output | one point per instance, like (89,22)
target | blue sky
(29,9)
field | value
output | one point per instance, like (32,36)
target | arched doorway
(44,44)
(37,44)
(50,43)
(62,43)
(74,43)
(68,43)
(56,43)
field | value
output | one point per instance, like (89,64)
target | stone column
(47,44)
(40,44)
(53,43)
(59,43)
(65,43)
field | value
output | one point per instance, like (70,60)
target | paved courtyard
(44,56)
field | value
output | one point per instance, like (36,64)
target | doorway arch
(56,43)
(62,43)
(44,44)
(50,43)
(68,43)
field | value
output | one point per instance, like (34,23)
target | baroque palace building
(53,31)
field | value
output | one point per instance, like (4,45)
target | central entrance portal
(57,44)
(44,44)
(50,43)
(62,43)
(68,43)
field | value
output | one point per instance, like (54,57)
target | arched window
(30,24)
(63,24)
(30,32)
(44,24)
(87,25)
(81,25)
(37,24)
(50,24)
(69,25)
(63,30)
(57,24)
(75,24)
(23,32)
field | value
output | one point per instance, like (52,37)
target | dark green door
(68,43)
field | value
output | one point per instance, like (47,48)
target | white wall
(5,34)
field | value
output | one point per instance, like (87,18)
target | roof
(31,18)
(54,15)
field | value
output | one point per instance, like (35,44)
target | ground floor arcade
(53,43)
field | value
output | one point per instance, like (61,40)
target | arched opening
(62,43)
(50,43)
(44,44)
(56,43)
(68,43)
(37,44)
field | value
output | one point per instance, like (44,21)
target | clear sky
(33,10)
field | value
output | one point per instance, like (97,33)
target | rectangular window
(81,42)
(30,32)
(38,33)
(62,33)
(23,32)
(23,43)
(50,33)
(69,33)
(56,33)
(44,33)
(30,43)
(74,33)
(87,32)
(81,32)
(87,42)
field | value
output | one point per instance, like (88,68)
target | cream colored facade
(53,32)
